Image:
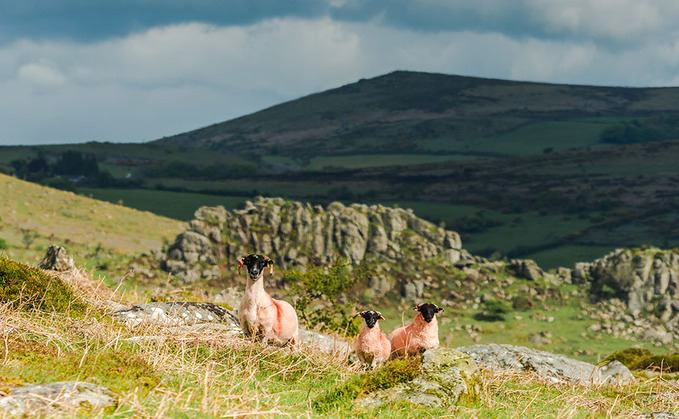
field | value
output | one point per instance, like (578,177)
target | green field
(379,160)
(177,205)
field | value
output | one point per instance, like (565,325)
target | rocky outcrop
(556,368)
(57,259)
(644,279)
(447,375)
(296,233)
(67,398)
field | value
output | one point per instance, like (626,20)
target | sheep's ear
(439,310)
(416,308)
(241,263)
(358,314)
(270,263)
(380,316)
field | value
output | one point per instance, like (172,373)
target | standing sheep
(419,336)
(261,315)
(372,346)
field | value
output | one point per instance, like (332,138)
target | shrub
(628,357)
(522,303)
(666,363)
(320,290)
(493,310)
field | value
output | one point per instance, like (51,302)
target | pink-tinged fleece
(372,346)
(263,316)
(415,338)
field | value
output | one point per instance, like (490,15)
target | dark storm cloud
(93,20)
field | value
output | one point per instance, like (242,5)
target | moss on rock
(447,377)
(22,286)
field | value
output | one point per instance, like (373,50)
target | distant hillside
(406,112)
(556,173)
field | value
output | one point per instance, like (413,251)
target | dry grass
(525,394)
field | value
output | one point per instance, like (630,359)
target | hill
(406,113)
(555,173)
(33,217)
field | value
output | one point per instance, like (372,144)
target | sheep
(261,315)
(419,336)
(372,346)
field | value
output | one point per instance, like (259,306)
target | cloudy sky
(137,70)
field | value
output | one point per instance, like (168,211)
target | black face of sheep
(255,265)
(428,311)
(371,317)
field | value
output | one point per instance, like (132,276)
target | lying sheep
(419,336)
(372,346)
(260,314)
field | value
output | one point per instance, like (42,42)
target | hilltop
(408,112)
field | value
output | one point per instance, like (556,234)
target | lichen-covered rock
(57,259)
(447,376)
(557,368)
(177,314)
(295,233)
(70,398)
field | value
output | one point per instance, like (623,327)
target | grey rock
(526,269)
(413,289)
(446,376)
(659,415)
(212,215)
(556,368)
(57,259)
(58,398)
(176,314)
(324,343)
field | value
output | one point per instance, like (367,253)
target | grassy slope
(183,374)
(75,221)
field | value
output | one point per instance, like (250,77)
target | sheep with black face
(372,346)
(261,315)
(420,335)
